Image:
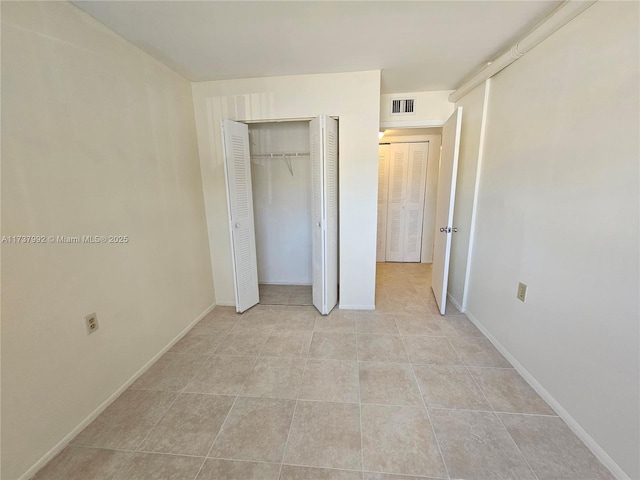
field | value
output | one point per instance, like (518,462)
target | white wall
(282,202)
(97,139)
(354,98)
(431,110)
(558,209)
(473,113)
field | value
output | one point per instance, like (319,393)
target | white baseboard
(356,307)
(580,432)
(93,415)
(223,303)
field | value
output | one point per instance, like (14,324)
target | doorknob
(237,225)
(318,224)
(443,230)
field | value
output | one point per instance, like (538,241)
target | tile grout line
(151,452)
(517,446)
(424,404)
(492,411)
(495,414)
(204,362)
(284,450)
(355,321)
(135,450)
(216,437)
(500,420)
(159,420)
(212,354)
(293,416)
(240,460)
(221,340)
(228,413)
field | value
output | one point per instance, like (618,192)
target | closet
(281,187)
(281,180)
(402,173)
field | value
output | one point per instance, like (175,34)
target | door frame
(433,161)
(422,125)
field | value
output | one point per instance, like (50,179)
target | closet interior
(281,184)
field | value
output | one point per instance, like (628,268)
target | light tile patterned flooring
(284,393)
(285,294)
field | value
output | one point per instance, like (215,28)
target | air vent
(402,106)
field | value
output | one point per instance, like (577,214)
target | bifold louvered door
(323,133)
(240,202)
(407,172)
(383,190)
(414,201)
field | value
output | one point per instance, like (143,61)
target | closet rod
(282,155)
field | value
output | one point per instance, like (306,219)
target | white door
(405,205)
(444,207)
(414,201)
(239,199)
(395,202)
(324,189)
(383,188)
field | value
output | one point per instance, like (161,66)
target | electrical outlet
(91,321)
(522,292)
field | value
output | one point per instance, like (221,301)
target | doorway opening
(407,186)
(399,178)
(281,184)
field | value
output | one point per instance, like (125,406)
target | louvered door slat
(331,182)
(383,187)
(414,205)
(398,162)
(324,185)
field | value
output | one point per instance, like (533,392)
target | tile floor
(283,393)
(285,294)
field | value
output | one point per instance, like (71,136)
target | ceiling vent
(402,106)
